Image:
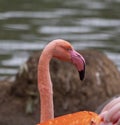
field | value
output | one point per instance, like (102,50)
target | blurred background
(27,25)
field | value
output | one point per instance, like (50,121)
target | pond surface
(27,25)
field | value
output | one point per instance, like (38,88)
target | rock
(70,94)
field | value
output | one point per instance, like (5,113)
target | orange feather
(78,118)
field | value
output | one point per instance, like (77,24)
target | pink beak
(79,62)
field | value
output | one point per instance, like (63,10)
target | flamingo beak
(82,74)
(79,62)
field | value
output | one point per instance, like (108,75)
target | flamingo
(111,112)
(62,50)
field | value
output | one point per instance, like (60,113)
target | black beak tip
(82,74)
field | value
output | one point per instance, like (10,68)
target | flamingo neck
(45,86)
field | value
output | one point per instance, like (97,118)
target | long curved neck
(45,86)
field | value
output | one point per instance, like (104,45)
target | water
(27,25)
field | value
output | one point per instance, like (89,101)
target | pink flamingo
(62,50)
(111,112)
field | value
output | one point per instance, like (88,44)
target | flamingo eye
(68,49)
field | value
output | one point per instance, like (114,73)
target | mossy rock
(70,94)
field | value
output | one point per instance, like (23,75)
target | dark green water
(27,25)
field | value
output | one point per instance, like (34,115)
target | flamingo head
(64,51)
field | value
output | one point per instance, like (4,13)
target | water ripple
(17,26)
(8,71)
(99,22)
(14,61)
(64,29)
(36,14)
(20,45)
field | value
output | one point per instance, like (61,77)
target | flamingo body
(78,118)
